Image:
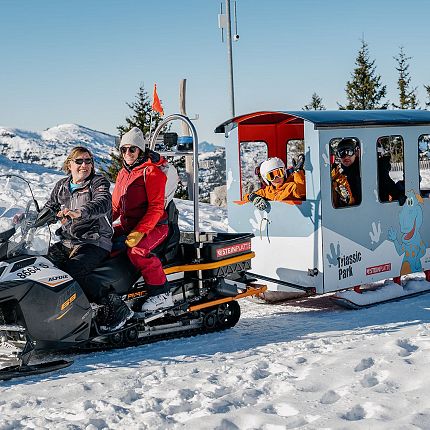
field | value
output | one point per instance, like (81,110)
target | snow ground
(304,364)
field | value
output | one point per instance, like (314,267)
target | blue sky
(80,61)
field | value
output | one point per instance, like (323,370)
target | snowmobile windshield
(17,215)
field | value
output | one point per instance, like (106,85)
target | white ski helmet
(269,165)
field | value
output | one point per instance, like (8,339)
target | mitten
(134,238)
(343,193)
(299,164)
(259,202)
(18,218)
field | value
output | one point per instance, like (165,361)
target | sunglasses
(80,161)
(131,149)
(276,173)
(345,153)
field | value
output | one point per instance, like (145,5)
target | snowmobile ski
(12,372)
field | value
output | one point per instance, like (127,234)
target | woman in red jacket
(138,202)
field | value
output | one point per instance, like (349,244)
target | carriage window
(252,154)
(391,168)
(295,147)
(345,171)
(424,163)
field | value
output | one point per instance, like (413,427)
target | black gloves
(343,193)
(296,165)
(259,202)
(299,164)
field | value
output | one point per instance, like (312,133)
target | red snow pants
(140,255)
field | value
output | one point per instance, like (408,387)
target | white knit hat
(134,137)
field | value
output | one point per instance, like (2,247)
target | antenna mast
(224,21)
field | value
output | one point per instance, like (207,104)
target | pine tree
(427,87)
(365,90)
(115,164)
(315,103)
(141,118)
(407,96)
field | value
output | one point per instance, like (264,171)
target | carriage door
(356,211)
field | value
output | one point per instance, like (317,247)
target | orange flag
(156,104)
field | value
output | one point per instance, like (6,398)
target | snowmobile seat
(118,273)
(168,250)
(115,274)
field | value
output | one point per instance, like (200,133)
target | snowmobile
(44,309)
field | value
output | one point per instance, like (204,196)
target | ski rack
(195,154)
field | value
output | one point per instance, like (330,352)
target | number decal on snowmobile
(28,271)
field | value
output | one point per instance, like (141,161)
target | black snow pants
(78,262)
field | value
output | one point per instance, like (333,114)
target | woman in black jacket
(84,205)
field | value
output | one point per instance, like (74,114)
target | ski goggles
(276,173)
(131,149)
(346,152)
(80,161)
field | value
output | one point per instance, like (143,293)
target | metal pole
(230,55)
(186,132)
(187,121)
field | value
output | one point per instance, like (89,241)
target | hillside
(50,147)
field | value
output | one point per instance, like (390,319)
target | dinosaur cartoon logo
(410,243)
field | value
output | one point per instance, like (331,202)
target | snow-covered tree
(427,87)
(365,90)
(407,95)
(315,103)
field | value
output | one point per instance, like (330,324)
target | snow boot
(116,312)
(160,301)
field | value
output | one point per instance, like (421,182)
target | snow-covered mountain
(205,146)
(50,147)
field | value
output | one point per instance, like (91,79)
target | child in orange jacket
(279,186)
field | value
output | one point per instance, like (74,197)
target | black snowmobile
(43,309)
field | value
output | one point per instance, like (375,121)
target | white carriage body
(312,244)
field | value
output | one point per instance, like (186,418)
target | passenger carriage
(312,245)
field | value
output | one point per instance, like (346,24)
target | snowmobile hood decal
(53,281)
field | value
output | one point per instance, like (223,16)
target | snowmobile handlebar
(46,216)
